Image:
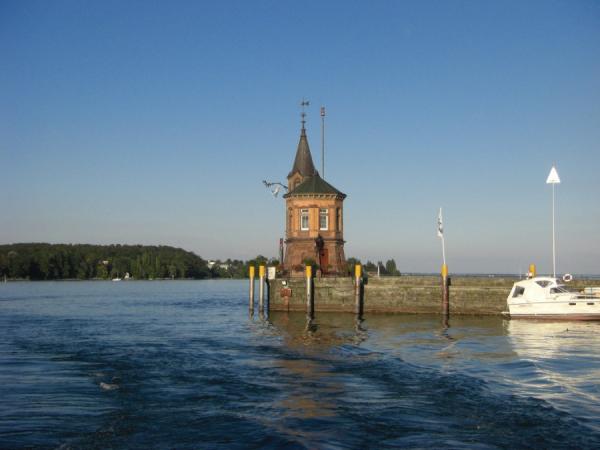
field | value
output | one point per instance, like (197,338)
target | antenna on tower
(323,142)
(303,104)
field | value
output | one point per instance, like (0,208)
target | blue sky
(155,122)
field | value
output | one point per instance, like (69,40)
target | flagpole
(323,142)
(440,233)
(553,237)
(444,273)
(553,179)
(443,250)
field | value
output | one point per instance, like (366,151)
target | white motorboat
(547,298)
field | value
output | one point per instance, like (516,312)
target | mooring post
(251,277)
(310,305)
(261,288)
(445,291)
(532,271)
(358,291)
(268,304)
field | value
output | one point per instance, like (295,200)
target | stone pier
(405,294)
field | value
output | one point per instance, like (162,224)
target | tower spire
(303,163)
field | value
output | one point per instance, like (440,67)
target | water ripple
(181,365)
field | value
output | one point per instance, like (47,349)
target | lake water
(182,365)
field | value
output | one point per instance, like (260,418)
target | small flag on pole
(440,225)
(553,177)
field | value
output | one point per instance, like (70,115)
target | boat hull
(583,316)
(545,298)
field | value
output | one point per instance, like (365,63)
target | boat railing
(560,289)
(592,291)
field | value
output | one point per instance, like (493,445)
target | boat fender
(567,277)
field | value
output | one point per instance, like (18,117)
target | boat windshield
(560,289)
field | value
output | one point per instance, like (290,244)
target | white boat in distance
(546,298)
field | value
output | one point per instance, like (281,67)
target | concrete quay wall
(405,294)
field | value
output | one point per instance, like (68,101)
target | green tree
(59,261)
(370,267)
(390,268)
(101,271)
(350,263)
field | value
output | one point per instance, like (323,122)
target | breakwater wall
(405,294)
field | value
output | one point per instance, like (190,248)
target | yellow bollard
(310,305)
(532,271)
(358,289)
(251,277)
(261,288)
(445,291)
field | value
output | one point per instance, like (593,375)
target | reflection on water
(326,330)
(419,339)
(559,363)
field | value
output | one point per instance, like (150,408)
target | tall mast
(553,179)
(323,142)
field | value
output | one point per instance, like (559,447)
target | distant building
(314,217)
(218,264)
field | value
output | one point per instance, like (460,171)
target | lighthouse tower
(314,217)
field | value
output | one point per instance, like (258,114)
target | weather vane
(303,104)
(275,187)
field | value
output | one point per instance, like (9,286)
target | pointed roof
(315,185)
(303,162)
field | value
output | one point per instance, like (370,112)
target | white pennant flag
(553,177)
(440,225)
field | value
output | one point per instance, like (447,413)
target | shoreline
(577,279)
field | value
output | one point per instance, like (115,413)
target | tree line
(388,269)
(41,261)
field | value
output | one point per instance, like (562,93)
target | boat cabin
(536,288)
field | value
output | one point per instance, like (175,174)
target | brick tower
(314,217)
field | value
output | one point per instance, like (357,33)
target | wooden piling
(268,303)
(251,293)
(358,290)
(310,304)
(261,288)
(445,291)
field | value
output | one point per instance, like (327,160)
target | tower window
(338,219)
(323,219)
(304,219)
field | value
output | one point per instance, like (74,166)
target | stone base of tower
(329,258)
